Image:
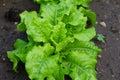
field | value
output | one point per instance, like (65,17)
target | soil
(108,17)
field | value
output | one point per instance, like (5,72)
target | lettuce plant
(59,41)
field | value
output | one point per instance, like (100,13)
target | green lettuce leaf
(84,3)
(56,11)
(83,44)
(81,60)
(76,21)
(26,19)
(56,35)
(40,63)
(14,59)
(91,17)
(38,29)
(20,52)
(85,35)
(83,65)
(46,1)
(52,10)
(77,18)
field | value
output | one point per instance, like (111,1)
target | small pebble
(4,4)
(117,39)
(3,59)
(113,75)
(15,23)
(99,56)
(103,24)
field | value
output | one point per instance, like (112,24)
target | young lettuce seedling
(59,41)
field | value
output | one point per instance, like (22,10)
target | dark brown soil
(108,12)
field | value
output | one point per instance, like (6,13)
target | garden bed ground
(108,12)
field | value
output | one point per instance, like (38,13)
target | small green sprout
(101,38)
